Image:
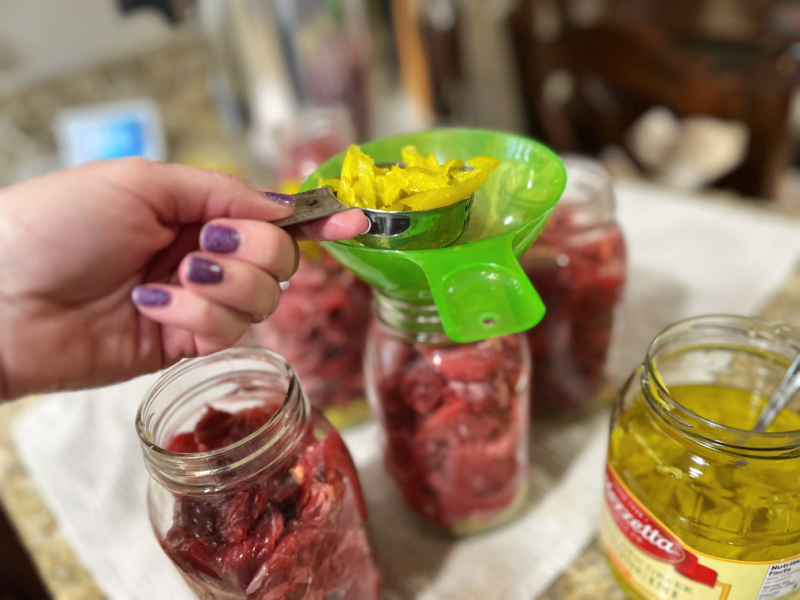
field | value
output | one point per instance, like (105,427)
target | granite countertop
(174,77)
(178,86)
(59,569)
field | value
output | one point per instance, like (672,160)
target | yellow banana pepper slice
(421,184)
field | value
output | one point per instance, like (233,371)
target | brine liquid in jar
(453,417)
(697,505)
(578,267)
(253,494)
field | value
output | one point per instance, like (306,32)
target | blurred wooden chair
(584,86)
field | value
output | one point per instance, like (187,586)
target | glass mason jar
(328,46)
(319,325)
(454,417)
(307,140)
(253,494)
(321,329)
(697,505)
(578,266)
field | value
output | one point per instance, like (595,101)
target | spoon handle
(313,205)
(781,396)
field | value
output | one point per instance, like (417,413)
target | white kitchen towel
(84,456)
(687,256)
(692,255)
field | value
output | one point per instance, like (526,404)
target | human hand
(118,268)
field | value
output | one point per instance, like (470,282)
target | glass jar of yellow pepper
(696,504)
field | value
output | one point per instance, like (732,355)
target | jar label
(657,565)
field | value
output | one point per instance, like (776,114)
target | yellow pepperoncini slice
(311,250)
(420,184)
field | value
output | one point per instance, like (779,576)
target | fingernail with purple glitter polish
(217,238)
(203,271)
(148,296)
(278,198)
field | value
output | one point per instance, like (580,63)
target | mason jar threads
(253,494)
(320,326)
(454,417)
(578,266)
(697,505)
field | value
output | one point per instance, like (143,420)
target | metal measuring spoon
(781,396)
(389,230)
(313,205)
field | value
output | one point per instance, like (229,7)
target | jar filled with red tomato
(319,325)
(578,266)
(253,494)
(454,417)
(307,140)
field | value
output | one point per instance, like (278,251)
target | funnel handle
(480,290)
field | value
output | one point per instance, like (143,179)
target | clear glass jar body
(682,454)
(454,417)
(307,140)
(328,47)
(253,494)
(320,326)
(578,266)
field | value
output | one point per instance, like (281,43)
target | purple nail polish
(217,238)
(147,296)
(203,271)
(278,198)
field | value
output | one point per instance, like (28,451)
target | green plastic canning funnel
(476,283)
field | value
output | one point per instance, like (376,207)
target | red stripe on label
(649,536)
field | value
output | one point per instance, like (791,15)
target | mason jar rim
(589,184)
(657,393)
(200,464)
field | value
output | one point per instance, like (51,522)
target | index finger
(182,194)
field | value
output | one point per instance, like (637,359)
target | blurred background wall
(45,39)
(689,93)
